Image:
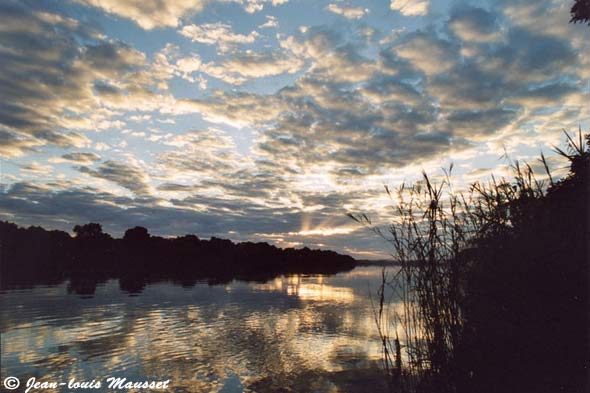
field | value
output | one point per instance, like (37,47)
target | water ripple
(203,338)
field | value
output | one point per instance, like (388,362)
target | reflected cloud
(203,338)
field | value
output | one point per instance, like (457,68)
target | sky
(269,120)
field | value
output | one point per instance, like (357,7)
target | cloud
(528,57)
(534,15)
(237,109)
(185,68)
(428,52)
(252,6)
(60,77)
(149,14)
(354,116)
(410,7)
(198,154)
(127,176)
(266,187)
(219,34)
(37,169)
(140,118)
(108,60)
(332,57)
(347,11)
(479,124)
(101,146)
(476,25)
(386,88)
(344,112)
(77,158)
(258,65)
(61,206)
(12,145)
(38,204)
(238,68)
(271,21)
(469,86)
(544,96)
(305,125)
(315,43)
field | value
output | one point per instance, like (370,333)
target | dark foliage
(580,12)
(494,283)
(36,256)
(526,307)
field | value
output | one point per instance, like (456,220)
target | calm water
(232,338)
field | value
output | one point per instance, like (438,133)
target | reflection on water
(205,338)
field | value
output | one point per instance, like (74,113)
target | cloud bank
(272,129)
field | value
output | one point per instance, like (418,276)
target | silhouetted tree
(580,12)
(88,231)
(136,235)
(36,256)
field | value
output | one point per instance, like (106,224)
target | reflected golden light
(316,291)
(322,293)
(199,345)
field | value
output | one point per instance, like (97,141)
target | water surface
(295,333)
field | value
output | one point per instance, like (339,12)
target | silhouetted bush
(580,11)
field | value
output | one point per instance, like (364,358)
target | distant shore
(376,262)
(31,256)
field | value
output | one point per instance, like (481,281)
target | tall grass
(435,237)
(431,229)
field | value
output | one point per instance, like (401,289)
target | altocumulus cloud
(124,175)
(150,14)
(410,7)
(77,158)
(60,77)
(347,11)
(291,125)
(220,34)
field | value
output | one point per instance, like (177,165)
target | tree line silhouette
(33,255)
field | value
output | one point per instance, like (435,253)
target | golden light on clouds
(325,231)
(227,126)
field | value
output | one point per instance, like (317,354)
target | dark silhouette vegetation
(580,12)
(34,255)
(494,283)
(525,311)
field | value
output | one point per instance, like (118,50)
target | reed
(438,237)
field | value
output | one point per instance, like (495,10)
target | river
(294,333)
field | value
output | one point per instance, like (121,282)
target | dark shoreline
(377,262)
(33,256)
